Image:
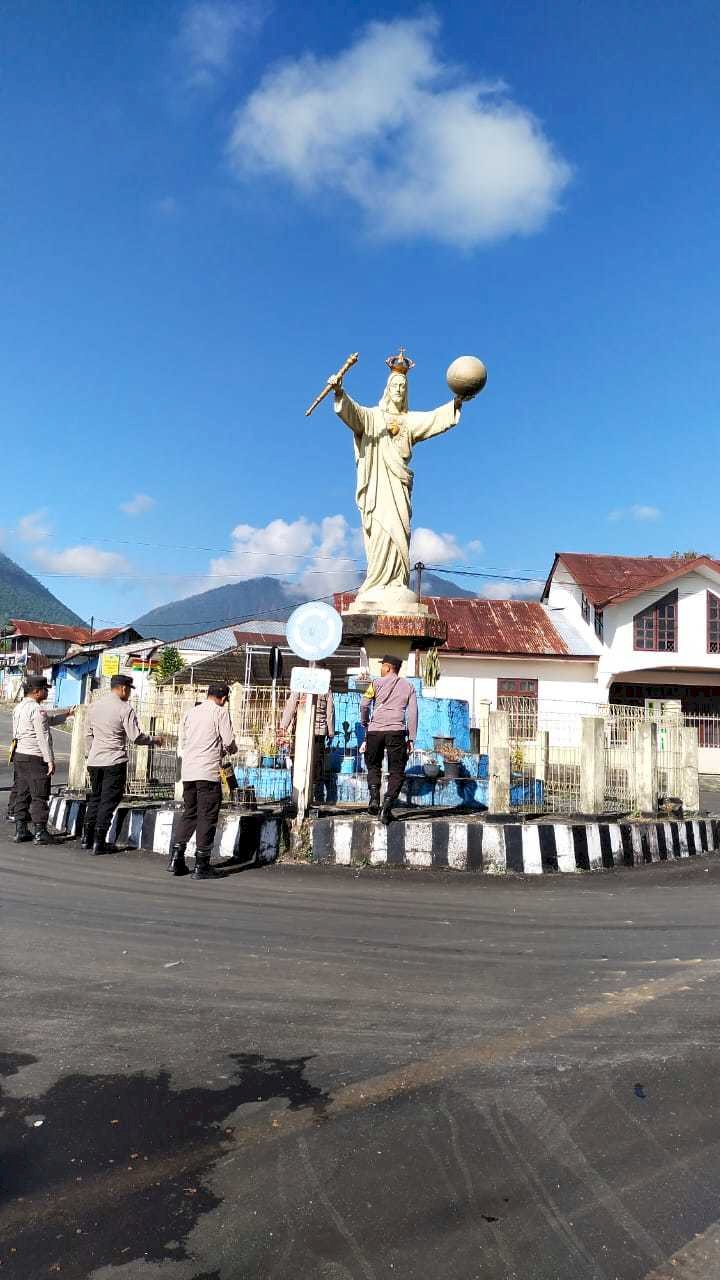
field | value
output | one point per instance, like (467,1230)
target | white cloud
(208,36)
(435,548)
(637,511)
(422,150)
(33,527)
(136,506)
(320,557)
(506,589)
(81,562)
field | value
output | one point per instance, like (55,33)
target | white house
(653,622)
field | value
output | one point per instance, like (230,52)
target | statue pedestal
(381,633)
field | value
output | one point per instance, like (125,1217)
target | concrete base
(245,839)
(501,847)
(395,633)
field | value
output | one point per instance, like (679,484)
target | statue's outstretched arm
(422,426)
(352,414)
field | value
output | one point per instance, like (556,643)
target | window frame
(600,625)
(713,600)
(652,612)
(585,608)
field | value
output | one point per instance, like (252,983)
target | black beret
(218,690)
(117,682)
(393,661)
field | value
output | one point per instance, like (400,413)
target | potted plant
(452,759)
(268,752)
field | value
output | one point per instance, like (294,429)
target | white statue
(383,440)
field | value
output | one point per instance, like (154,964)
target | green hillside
(22,596)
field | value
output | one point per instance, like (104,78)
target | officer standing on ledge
(110,725)
(389,710)
(206,736)
(34,762)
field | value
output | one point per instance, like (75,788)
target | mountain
(256,598)
(22,596)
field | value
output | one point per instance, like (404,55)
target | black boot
(374,805)
(386,815)
(22,834)
(203,870)
(42,835)
(100,845)
(177,865)
(87,838)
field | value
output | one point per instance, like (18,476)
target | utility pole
(419,573)
(92,620)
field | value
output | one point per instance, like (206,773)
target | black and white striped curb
(530,848)
(247,838)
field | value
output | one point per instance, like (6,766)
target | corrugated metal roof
(512,627)
(221,638)
(497,627)
(50,631)
(609,579)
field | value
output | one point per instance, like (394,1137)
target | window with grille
(519,698)
(713,623)
(585,607)
(655,629)
(599,624)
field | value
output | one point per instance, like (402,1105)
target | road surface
(305,1072)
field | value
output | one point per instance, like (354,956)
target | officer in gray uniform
(389,711)
(53,717)
(111,724)
(34,762)
(206,736)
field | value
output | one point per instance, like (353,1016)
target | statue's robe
(383,444)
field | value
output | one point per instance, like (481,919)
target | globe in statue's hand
(466,377)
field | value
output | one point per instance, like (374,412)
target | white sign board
(310,680)
(314,630)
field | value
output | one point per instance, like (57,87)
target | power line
(481,573)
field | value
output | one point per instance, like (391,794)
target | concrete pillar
(499,764)
(76,768)
(592,764)
(303,758)
(644,742)
(689,770)
(236,702)
(376,646)
(542,755)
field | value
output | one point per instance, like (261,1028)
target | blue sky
(205,207)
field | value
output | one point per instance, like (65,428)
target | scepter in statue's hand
(333,383)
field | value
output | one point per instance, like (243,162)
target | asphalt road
(297,1072)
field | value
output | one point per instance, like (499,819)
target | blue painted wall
(437,717)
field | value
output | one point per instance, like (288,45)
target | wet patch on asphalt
(104,1169)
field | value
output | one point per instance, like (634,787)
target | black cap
(218,690)
(35,682)
(393,661)
(118,682)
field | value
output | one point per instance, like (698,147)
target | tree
(169,662)
(684,555)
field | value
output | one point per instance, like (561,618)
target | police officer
(206,736)
(34,762)
(111,724)
(389,710)
(53,717)
(323,729)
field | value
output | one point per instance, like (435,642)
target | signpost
(314,631)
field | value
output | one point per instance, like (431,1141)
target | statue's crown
(401,363)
